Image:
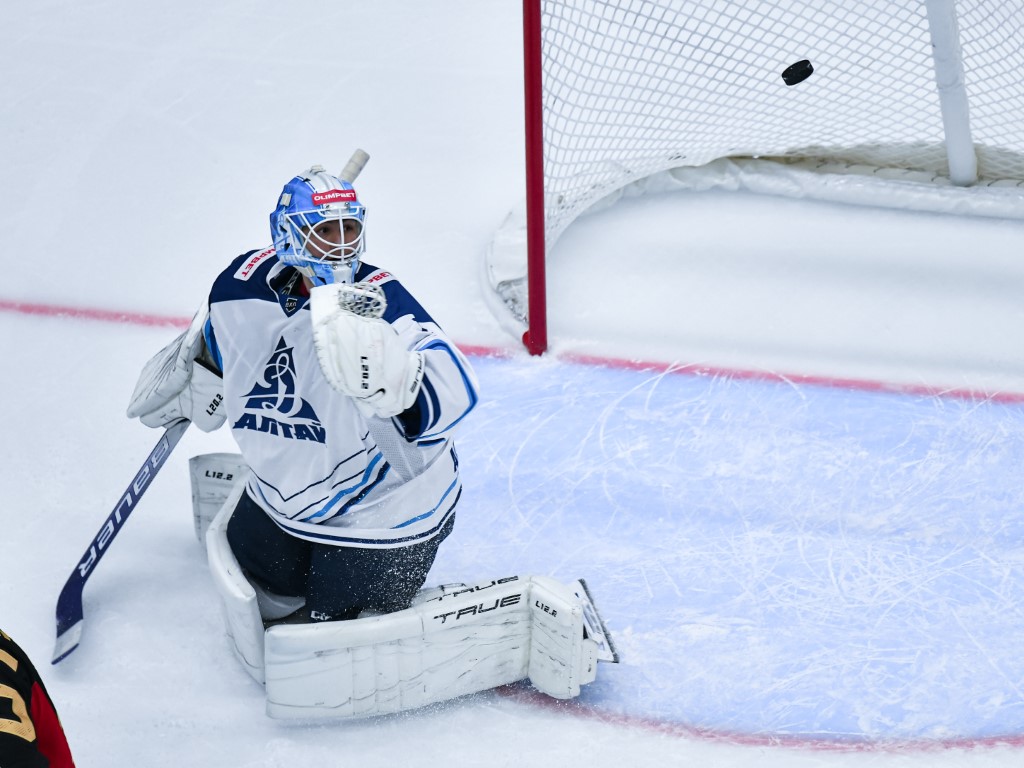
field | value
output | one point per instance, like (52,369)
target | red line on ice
(151,320)
(822,743)
(864,385)
(86,313)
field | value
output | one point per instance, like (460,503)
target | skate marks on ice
(771,559)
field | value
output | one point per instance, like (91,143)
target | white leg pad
(213,476)
(242,618)
(467,639)
(561,658)
(454,641)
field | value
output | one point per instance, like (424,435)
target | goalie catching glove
(175,383)
(364,357)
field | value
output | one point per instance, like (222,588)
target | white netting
(363,299)
(636,87)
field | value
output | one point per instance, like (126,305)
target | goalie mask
(318,227)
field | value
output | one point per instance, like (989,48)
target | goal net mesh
(634,88)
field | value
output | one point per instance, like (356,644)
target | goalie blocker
(454,640)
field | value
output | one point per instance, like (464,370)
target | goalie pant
(454,640)
(31,735)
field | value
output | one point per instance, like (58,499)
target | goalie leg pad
(561,659)
(568,638)
(464,640)
(214,477)
(242,619)
(455,640)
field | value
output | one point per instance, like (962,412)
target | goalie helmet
(318,227)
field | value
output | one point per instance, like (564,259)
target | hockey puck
(797,73)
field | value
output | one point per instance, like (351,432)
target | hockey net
(642,95)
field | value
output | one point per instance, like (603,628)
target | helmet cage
(306,227)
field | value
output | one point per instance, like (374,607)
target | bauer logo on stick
(797,73)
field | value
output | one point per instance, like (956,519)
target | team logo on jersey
(271,406)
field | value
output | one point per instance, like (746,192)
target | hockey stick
(70,616)
(354,166)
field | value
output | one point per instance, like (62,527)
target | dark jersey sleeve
(31,735)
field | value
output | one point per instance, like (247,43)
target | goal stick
(70,616)
(354,166)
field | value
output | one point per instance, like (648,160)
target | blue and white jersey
(322,470)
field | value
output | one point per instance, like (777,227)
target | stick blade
(69,605)
(67,641)
(70,616)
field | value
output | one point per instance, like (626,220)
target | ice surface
(795,575)
(772,559)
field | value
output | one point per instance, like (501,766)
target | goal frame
(536,336)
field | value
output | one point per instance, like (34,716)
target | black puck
(797,73)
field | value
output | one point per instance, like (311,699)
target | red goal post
(913,104)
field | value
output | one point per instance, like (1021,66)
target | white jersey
(322,470)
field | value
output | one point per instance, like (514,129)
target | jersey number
(21,724)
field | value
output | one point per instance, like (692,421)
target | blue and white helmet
(320,251)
